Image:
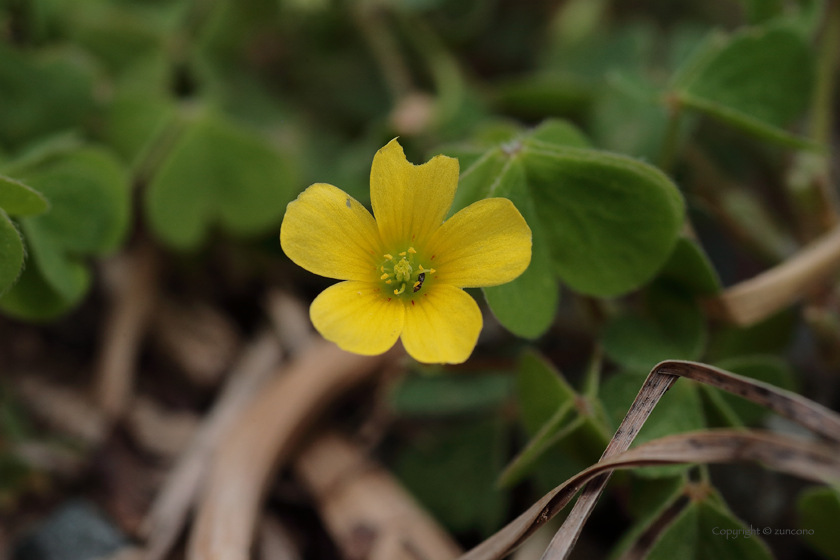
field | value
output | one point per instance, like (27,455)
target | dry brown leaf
(795,407)
(811,461)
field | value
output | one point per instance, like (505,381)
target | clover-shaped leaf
(700,532)
(218,173)
(42,93)
(89,211)
(11,252)
(16,199)
(603,223)
(758,80)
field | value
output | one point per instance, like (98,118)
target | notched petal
(410,201)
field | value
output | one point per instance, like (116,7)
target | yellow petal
(410,201)
(486,244)
(328,232)
(358,317)
(442,326)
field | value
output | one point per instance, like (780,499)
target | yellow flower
(404,272)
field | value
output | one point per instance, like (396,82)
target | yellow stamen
(382,268)
(384,276)
(401,290)
(402,254)
(411,250)
(416,284)
(389,257)
(387,281)
(433,271)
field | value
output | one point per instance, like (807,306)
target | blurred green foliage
(191,121)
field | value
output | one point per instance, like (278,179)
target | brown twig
(755,299)
(132,279)
(168,514)
(262,439)
(198,337)
(370,516)
(63,409)
(275,542)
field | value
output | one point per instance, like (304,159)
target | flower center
(403,271)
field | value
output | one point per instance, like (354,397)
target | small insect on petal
(419,284)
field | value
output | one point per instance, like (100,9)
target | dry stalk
(275,542)
(199,338)
(132,281)
(262,439)
(168,514)
(367,512)
(64,409)
(755,299)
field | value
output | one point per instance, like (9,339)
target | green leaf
(689,267)
(564,422)
(700,533)
(604,223)
(628,116)
(11,252)
(42,93)
(819,510)
(673,328)
(564,426)
(611,221)
(452,472)
(117,34)
(771,336)
(543,95)
(527,305)
(218,173)
(762,10)
(438,395)
(89,213)
(759,81)
(32,298)
(660,496)
(680,410)
(542,391)
(135,120)
(18,199)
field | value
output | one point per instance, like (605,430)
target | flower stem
(672,135)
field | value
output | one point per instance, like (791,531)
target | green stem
(443,66)
(384,47)
(827,58)
(809,180)
(672,135)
